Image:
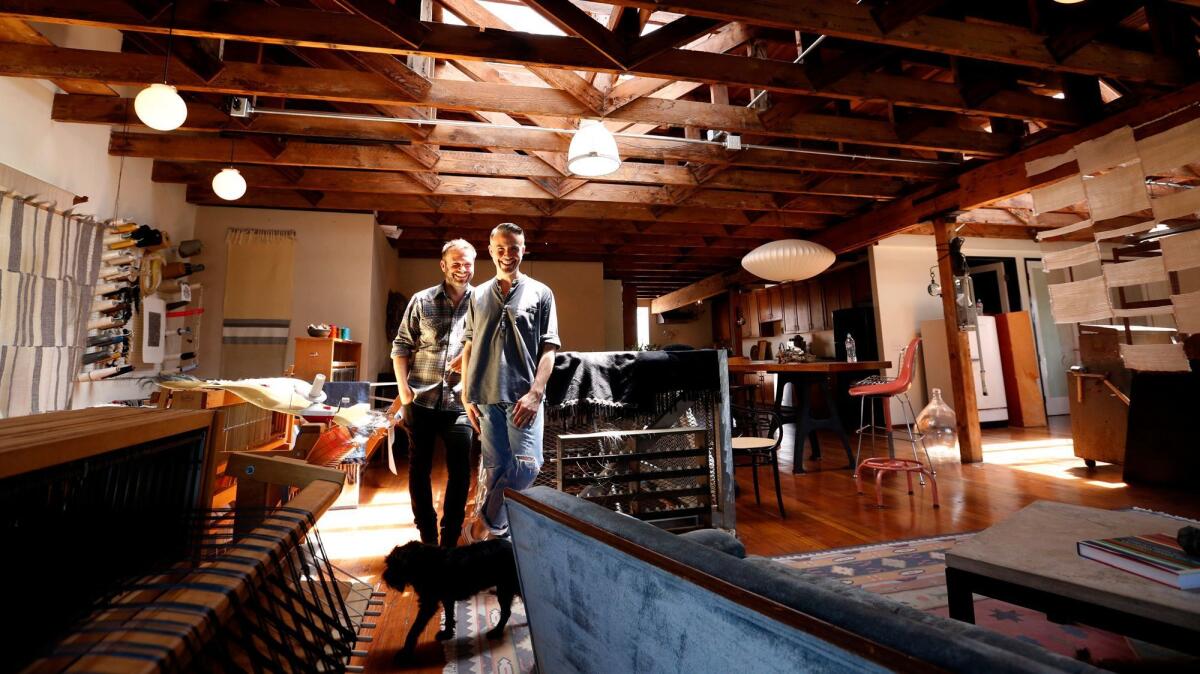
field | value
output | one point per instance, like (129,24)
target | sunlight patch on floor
(1050,457)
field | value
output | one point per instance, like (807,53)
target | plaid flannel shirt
(431,335)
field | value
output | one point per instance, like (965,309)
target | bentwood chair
(757,434)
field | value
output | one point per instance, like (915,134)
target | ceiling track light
(159,106)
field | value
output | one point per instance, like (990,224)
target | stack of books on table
(1154,556)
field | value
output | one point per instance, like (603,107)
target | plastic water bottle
(851,353)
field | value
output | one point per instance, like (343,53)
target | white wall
(75,157)
(697,333)
(580,296)
(335,275)
(899,276)
(614,327)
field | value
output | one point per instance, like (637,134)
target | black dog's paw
(495,633)
(444,635)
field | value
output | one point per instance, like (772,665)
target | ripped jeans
(511,458)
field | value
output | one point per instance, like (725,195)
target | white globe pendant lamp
(593,151)
(229,184)
(160,107)
(788,260)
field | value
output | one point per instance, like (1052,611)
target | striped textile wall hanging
(260,266)
(49,259)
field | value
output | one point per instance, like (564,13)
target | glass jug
(937,424)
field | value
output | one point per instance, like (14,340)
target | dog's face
(407,563)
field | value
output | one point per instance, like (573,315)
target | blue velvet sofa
(608,593)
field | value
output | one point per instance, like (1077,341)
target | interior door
(1052,360)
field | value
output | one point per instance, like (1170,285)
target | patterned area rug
(471,652)
(913,572)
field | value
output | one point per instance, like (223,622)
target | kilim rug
(913,572)
(471,652)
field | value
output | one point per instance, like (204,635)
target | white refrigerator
(986,368)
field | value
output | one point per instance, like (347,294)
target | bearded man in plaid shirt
(427,357)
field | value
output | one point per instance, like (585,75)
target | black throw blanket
(628,379)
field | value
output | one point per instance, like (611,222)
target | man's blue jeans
(511,459)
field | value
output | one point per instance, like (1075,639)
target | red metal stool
(885,389)
(907,466)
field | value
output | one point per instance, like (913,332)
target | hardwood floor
(823,511)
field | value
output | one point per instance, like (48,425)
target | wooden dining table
(804,377)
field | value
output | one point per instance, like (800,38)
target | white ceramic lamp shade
(229,184)
(788,260)
(593,151)
(160,107)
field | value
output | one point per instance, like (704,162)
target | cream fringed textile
(259,274)
(1121,201)
(49,260)
(1155,357)
(1080,301)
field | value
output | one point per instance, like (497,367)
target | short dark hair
(508,228)
(461,244)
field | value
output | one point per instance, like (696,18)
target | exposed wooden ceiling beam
(674,34)
(361,87)
(306,28)
(16,30)
(644,174)
(474,14)
(574,21)
(501,206)
(701,290)
(991,182)
(985,41)
(202,117)
(626,228)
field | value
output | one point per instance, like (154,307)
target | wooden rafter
(296,27)
(203,117)
(574,21)
(989,42)
(317,84)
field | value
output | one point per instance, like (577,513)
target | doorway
(1052,360)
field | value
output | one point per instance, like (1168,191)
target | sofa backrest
(605,592)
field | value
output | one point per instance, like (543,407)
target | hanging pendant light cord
(121,164)
(170,37)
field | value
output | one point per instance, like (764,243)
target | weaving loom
(118,566)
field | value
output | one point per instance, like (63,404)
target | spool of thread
(116,257)
(124,243)
(188,248)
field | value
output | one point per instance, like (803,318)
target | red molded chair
(885,389)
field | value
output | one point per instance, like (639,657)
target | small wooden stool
(883,465)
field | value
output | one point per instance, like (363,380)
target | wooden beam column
(962,378)
(735,330)
(629,315)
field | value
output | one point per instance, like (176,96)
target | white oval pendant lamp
(593,151)
(160,107)
(788,260)
(229,184)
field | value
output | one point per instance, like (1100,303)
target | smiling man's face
(458,266)
(507,250)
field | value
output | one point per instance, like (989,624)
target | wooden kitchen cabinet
(816,305)
(803,319)
(750,315)
(764,306)
(775,303)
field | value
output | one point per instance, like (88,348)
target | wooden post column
(629,315)
(962,377)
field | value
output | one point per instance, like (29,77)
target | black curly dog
(444,576)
